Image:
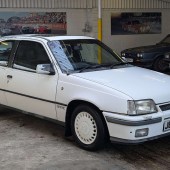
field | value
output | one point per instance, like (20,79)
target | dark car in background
(167,59)
(27,30)
(149,56)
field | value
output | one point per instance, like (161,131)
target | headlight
(123,54)
(167,56)
(139,55)
(140,107)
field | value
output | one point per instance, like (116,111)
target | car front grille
(165,107)
(130,55)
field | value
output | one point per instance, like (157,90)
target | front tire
(160,65)
(88,128)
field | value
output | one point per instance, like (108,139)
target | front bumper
(122,128)
(140,62)
(125,141)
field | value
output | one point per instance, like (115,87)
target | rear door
(27,90)
(6,48)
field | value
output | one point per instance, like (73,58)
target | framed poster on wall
(12,23)
(136,23)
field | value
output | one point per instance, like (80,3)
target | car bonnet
(135,82)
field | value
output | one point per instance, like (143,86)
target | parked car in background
(42,29)
(136,27)
(27,30)
(93,93)
(167,59)
(149,56)
(5,31)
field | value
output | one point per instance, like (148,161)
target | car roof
(48,37)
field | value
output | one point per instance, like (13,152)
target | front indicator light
(141,132)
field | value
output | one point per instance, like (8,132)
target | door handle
(9,76)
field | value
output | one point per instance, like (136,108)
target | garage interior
(31,143)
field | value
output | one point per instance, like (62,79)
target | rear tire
(88,128)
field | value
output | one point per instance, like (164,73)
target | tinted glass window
(166,40)
(75,55)
(5,51)
(29,55)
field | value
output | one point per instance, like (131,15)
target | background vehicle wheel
(160,65)
(88,128)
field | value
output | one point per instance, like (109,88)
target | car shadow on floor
(149,155)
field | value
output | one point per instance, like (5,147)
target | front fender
(103,97)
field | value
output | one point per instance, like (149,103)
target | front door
(26,89)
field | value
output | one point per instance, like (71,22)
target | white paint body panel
(138,83)
(35,85)
(105,98)
(128,132)
(3,80)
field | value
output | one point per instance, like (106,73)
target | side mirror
(45,69)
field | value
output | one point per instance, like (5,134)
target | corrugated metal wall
(136,4)
(46,3)
(106,4)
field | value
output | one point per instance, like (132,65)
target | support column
(100,20)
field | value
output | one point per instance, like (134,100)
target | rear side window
(5,51)
(29,54)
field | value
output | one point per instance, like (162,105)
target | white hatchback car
(82,84)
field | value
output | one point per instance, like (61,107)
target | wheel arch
(158,56)
(70,108)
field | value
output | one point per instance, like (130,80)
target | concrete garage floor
(29,143)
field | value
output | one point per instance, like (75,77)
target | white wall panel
(121,42)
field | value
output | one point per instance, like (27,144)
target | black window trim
(12,51)
(12,57)
(16,43)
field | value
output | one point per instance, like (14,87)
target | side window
(29,54)
(5,51)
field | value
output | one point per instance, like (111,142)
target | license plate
(130,60)
(167,125)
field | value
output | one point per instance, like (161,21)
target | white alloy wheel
(88,127)
(85,128)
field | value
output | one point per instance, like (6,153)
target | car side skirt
(35,115)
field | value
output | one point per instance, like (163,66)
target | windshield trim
(95,41)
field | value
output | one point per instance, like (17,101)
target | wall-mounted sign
(136,23)
(12,23)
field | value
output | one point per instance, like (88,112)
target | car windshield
(83,55)
(166,40)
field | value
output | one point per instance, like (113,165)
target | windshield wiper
(118,64)
(100,66)
(92,67)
